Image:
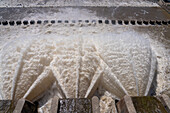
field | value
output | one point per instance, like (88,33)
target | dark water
(81,105)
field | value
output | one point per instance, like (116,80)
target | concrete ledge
(144,104)
(25,106)
(125,105)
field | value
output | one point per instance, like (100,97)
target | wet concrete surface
(148,105)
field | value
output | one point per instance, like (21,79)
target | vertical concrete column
(54,105)
(95,104)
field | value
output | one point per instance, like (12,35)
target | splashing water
(121,63)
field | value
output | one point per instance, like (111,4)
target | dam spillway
(120,42)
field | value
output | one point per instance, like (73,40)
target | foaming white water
(121,63)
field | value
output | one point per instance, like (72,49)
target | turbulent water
(113,35)
(121,63)
(77,3)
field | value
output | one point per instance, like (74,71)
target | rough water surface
(20,46)
(45,3)
(123,65)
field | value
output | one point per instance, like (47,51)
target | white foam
(75,61)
